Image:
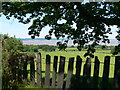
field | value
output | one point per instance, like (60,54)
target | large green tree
(91,20)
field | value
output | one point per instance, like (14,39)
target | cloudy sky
(13,27)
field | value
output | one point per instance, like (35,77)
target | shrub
(34,48)
(10,49)
(116,50)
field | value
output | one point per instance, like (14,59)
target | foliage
(35,48)
(90,20)
(116,50)
(10,49)
(30,48)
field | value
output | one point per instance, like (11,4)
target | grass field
(100,53)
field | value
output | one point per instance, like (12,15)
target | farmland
(100,53)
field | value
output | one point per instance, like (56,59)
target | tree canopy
(90,20)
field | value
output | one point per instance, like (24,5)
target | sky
(13,27)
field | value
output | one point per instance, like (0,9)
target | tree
(91,20)
(103,47)
(116,50)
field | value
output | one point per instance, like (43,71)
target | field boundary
(54,79)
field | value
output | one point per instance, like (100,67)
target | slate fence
(54,79)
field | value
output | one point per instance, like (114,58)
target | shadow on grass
(90,83)
(76,82)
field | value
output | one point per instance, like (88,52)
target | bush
(10,49)
(34,48)
(116,50)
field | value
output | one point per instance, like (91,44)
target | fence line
(62,80)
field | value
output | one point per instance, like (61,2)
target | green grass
(100,53)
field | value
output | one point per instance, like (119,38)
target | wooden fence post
(25,68)
(96,72)
(32,71)
(78,66)
(106,72)
(54,71)
(38,69)
(70,72)
(117,72)
(86,73)
(78,71)
(47,72)
(61,72)
(20,68)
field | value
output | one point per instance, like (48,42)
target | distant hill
(53,41)
(46,39)
(40,39)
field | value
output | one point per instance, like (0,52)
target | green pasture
(100,53)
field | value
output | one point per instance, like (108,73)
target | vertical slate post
(54,71)
(78,66)
(96,72)
(20,68)
(86,73)
(38,69)
(47,72)
(70,72)
(117,72)
(25,68)
(61,72)
(32,71)
(106,72)
(12,66)
(78,71)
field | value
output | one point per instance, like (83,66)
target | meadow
(100,53)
